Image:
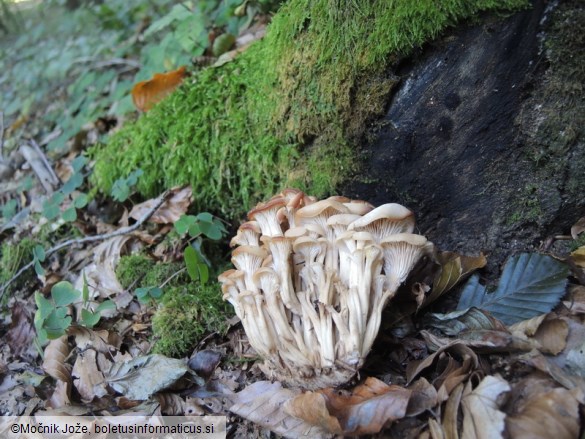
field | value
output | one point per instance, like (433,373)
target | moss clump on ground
(140,271)
(288,111)
(12,257)
(187,311)
(186,314)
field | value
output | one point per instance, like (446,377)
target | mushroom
(385,220)
(401,252)
(248,234)
(266,214)
(312,279)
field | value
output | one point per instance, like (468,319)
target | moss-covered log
(289,111)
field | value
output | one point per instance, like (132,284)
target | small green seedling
(52,206)
(38,257)
(52,318)
(121,188)
(148,294)
(201,225)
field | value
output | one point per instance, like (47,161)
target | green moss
(528,206)
(186,314)
(132,270)
(12,257)
(287,111)
(188,310)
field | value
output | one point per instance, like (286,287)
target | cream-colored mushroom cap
(401,252)
(266,214)
(248,234)
(387,219)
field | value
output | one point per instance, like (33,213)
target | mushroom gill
(312,279)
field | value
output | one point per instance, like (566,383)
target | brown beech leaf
(482,418)
(171,404)
(101,273)
(171,210)
(575,300)
(141,377)
(147,93)
(578,256)
(483,341)
(554,414)
(552,336)
(424,397)
(56,353)
(450,423)
(87,377)
(61,395)
(367,410)
(455,322)
(436,431)
(560,375)
(101,340)
(578,228)
(454,349)
(454,268)
(262,403)
(21,332)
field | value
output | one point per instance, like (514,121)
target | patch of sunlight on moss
(287,111)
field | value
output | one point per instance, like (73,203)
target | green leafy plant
(52,206)
(9,209)
(122,186)
(197,227)
(38,257)
(52,318)
(148,294)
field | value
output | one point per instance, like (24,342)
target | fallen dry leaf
(483,341)
(578,256)
(147,93)
(456,322)
(171,210)
(262,403)
(450,422)
(454,268)
(101,273)
(369,408)
(482,418)
(21,333)
(56,353)
(88,379)
(578,228)
(141,377)
(424,397)
(171,404)
(436,430)
(61,395)
(554,414)
(102,341)
(552,336)
(454,349)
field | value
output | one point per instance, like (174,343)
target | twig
(117,62)
(43,157)
(172,276)
(1,136)
(122,231)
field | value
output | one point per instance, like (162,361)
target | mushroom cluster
(312,278)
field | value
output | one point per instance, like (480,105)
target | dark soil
(464,145)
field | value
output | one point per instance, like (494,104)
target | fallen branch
(122,231)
